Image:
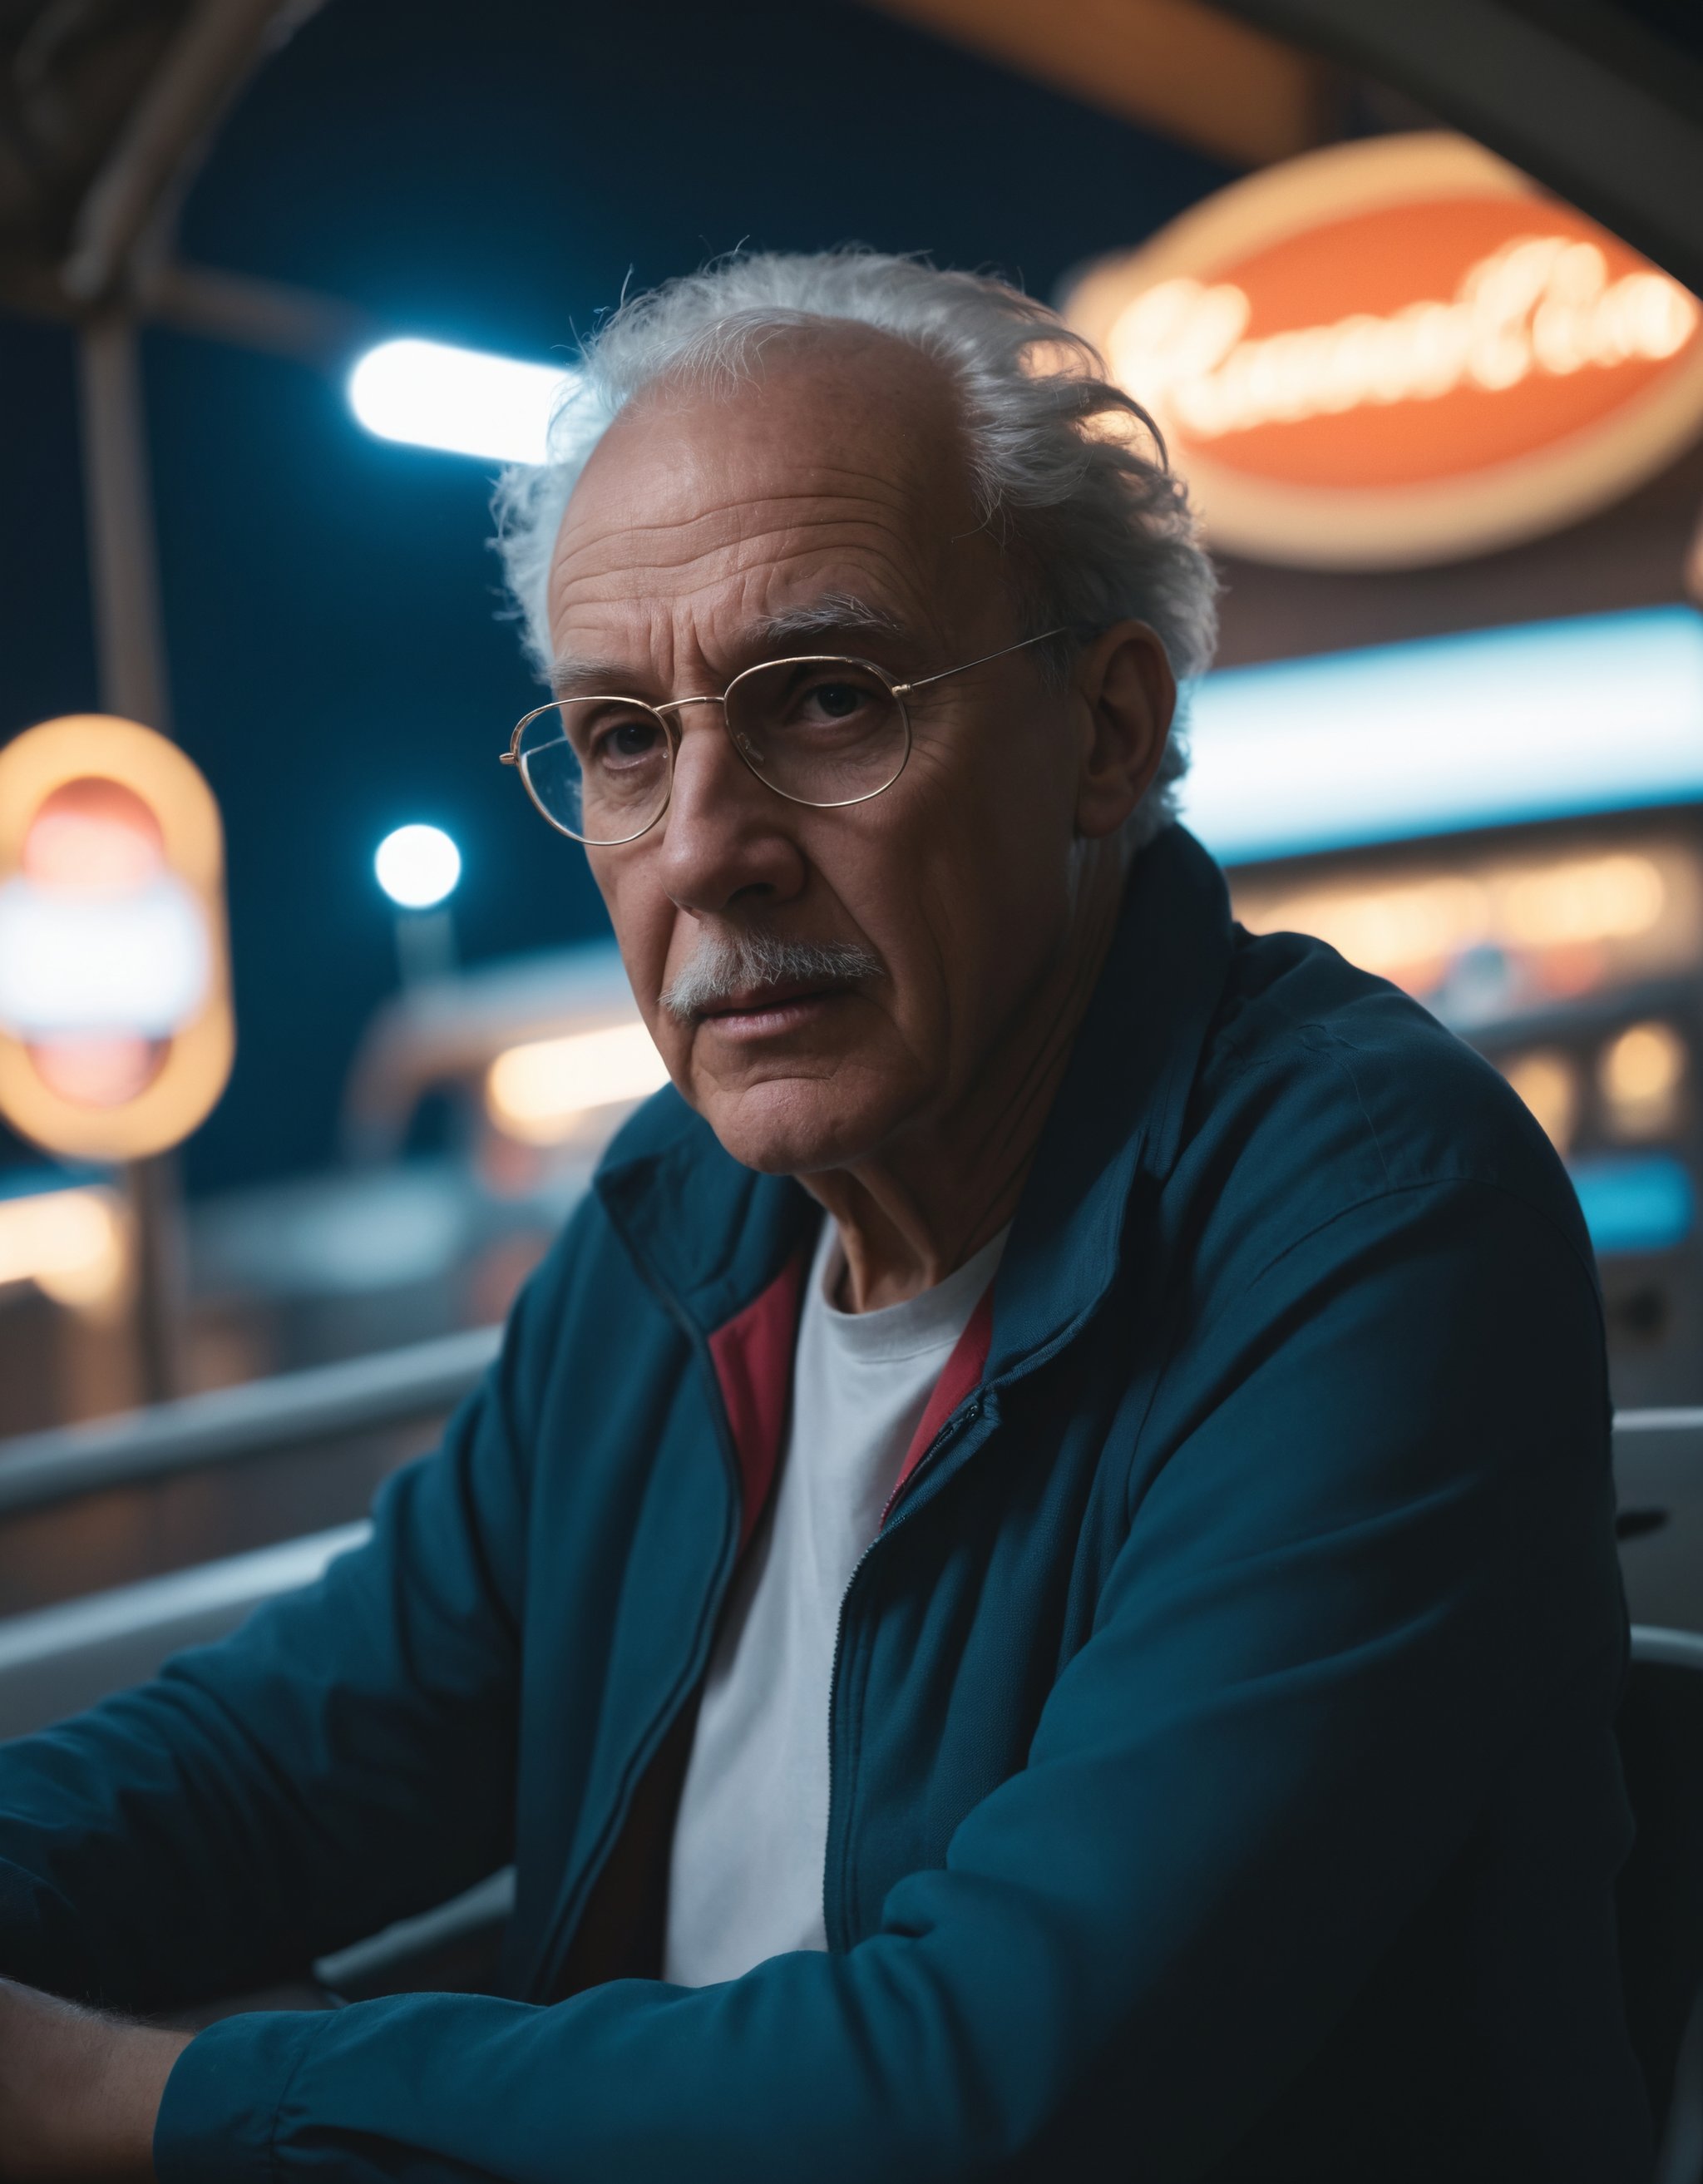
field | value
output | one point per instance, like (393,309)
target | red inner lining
(753,1357)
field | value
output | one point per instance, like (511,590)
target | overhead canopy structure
(109,104)
(1183,70)
(107,108)
(1600,100)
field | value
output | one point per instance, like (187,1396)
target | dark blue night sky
(488,172)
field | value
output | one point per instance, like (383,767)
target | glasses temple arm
(922,681)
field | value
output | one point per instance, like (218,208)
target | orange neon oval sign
(1398,352)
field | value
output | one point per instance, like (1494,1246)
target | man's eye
(834,701)
(623,741)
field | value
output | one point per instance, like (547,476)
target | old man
(1032,1593)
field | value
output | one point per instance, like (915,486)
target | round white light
(418,866)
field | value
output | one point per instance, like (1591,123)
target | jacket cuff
(217,2120)
(40,1945)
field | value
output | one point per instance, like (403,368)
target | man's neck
(915,1214)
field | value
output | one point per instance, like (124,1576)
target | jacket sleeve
(1376,1560)
(345,1758)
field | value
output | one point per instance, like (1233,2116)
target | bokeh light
(539,1092)
(1549,1084)
(418,866)
(1640,1076)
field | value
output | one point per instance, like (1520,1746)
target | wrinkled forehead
(837,467)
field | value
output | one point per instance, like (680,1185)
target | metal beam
(1573,99)
(144,173)
(269,315)
(116,496)
(130,642)
(1184,70)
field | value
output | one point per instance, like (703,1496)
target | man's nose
(724,836)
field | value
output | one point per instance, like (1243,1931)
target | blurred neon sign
(1397,351)
(115,1025)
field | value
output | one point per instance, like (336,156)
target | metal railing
(230,1425)
(56,1661)
(1658,1453)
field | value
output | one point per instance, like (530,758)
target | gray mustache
(726,964)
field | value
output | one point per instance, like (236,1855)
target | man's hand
(79,2091)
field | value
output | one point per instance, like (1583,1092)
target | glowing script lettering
(1539,304)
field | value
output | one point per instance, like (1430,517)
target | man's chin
(796,1126)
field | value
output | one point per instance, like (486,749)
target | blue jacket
(1223,1777)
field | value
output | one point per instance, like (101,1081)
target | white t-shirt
(745,1874)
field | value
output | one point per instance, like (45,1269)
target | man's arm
(77,2092)
(1377,1567)
(345,1758)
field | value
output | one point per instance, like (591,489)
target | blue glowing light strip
(1635,1203)
(1549,720)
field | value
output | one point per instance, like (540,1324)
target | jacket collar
(711,1237)
(1119,1114)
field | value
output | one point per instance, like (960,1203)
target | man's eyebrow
(571,677)
(834,621)
(835,614)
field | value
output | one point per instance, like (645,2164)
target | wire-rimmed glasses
(822,730)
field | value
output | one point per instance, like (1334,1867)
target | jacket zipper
(966,1415)
(560,1940)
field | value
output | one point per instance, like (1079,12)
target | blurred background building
(1446,427)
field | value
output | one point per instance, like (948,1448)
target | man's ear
(1124,679)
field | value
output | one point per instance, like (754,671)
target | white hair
(1068,464)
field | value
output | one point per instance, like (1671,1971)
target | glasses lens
(599,768)
(820,731)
